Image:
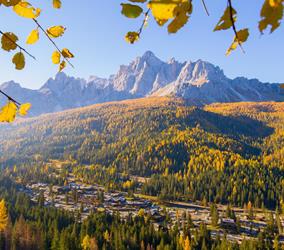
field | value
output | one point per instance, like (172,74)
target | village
(84,199)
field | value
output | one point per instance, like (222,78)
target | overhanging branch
(233,24)
(19,46)
(10,98)
(54,44)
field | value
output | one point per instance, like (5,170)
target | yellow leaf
(62,66)
(282,86)
(178,22)
(163,10)
(181,13)
(271,14)
(57,4)
(55,31)
(66,53)
(56,56)
(8,41)
(25,9)
(9,3)
(8,112)
(242,36)
(33,37)
(130,10)
(132,37)
(225,21)
(19,60)
(24,108)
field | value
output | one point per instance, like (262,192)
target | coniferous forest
(223,153)
(33,226)
(230,154)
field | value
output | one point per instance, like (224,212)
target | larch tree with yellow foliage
(86,243)
(187,244)
(3,216)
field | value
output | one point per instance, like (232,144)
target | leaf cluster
(10,41)
(176,14)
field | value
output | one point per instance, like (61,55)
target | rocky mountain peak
(199,73)
(148,59)
(9,85)
(62,83)
(199,82)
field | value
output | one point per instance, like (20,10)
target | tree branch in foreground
(205,7)
(10,98)
(55,45)
(233,24)
(20,47)
(144,22)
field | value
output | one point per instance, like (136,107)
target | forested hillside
(226,153)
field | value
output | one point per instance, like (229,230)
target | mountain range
(199,83)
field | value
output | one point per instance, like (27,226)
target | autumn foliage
(3,215)
(176,13)
(10,42)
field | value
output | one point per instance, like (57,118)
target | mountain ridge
(199,83)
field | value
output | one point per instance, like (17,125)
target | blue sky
(95,34)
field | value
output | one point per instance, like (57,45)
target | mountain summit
(198,82)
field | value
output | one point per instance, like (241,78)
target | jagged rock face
(145,75)
(199,82)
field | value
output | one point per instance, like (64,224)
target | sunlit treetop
(3,216)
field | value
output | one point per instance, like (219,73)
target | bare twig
(20,47)
(10,98)
(205,7)
(233,24)
(144,22)
(55,45)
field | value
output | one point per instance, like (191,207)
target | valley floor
(77,196)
